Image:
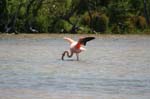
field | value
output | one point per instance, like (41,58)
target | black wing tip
(90,37)
(86,39)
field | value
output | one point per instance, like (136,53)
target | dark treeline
(74,16)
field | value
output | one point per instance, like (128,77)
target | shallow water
(112,68)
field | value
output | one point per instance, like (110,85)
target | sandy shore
(46,35)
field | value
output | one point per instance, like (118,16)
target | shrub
(84,30)
(100,22)
(19,25)
(41,23)
(62,26)
(86,19)
(115,29)
(141,22)
(126,27)
(129,27)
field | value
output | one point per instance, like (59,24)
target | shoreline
(52,35)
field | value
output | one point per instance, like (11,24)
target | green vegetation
(75,16)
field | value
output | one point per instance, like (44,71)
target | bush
(19,25)
(86,19)
(125,27)
(100,22)
(62,26)
(41,23)
(129,27)
(84,30)
(115,29)
(141,22)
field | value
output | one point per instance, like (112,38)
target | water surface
(113,67)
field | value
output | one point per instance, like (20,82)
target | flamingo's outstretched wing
(69,40)
(85,40)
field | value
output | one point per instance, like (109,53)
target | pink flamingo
(76,47)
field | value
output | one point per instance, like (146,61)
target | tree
(10,26)
(3,14)
(69,15)
(146,12)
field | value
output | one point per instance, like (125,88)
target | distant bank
(52,35)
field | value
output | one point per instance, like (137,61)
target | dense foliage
(75,16)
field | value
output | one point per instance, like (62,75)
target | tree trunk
(3,15)
(90,15)
(146,13)
(10,26)
(27,21)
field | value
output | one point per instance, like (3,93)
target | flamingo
(76,46)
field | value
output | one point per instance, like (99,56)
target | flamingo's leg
(71,54)
(77,56)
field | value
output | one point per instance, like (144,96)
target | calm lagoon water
(113,67)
